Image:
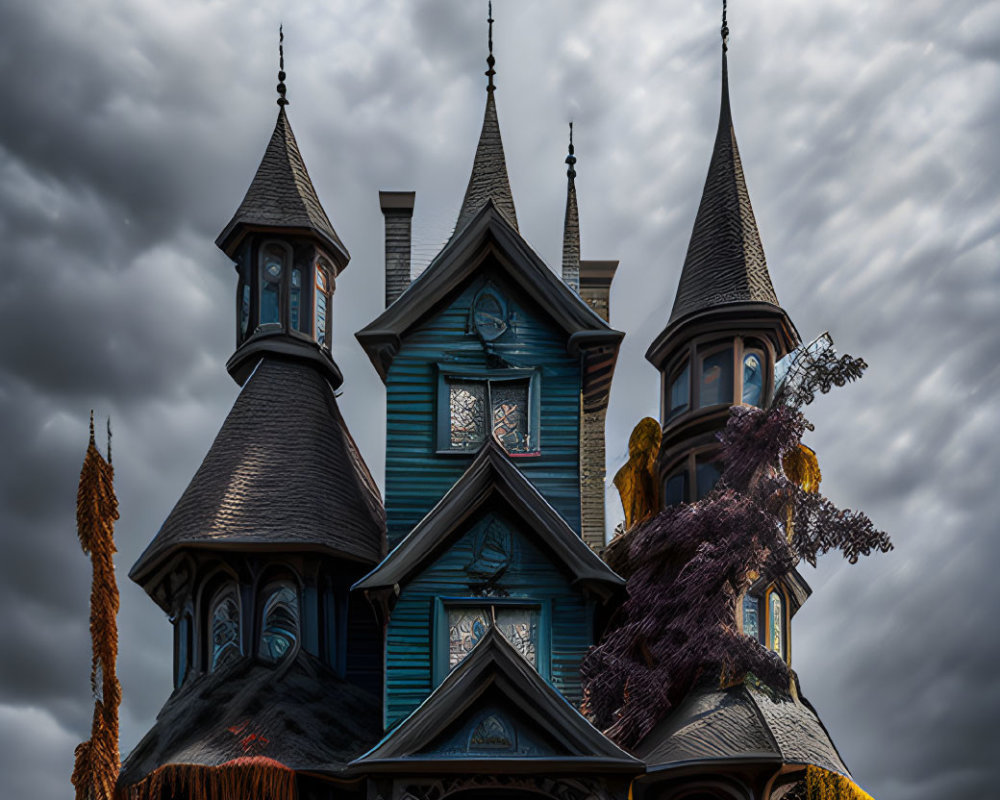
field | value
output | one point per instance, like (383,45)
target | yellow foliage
(823,785)
(802,468)
(637,482)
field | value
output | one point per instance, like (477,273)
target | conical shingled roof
(282,474)
(281,195)
(725,260)
(488,180)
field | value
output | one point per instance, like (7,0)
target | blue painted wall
(416,475)
(417,631)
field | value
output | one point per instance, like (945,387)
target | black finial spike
(490,61)
(571,158)
(91,426)
(282,100)
(725,29)
(109,440)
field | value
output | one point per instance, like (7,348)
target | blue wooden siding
(416,474)
(531,576)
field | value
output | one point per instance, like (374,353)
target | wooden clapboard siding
(417,476)
(416,627)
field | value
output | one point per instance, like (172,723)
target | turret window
(753,377)
(279,620)
(716,386)
(245,310)
(182,648)
(295,317)
(680,391)
(675,491)
(274,261)
(321,304)
(692,478)
(224,628)
(751,616)
(776,622)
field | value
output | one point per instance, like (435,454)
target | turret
(287,256)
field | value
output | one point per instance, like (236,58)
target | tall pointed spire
(281,194)
(571,225)
(488,180)
(725,259)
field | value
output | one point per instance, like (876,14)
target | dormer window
(279,620)
(224,628)
(274,261)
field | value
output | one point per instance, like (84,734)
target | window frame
(441,631)
(217,591)
(448,374)
(694,355)
(688,465)
(266,587)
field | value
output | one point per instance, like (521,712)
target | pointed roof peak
(488,180)
(282,195)
(725,260)
(282,100)
(571,223)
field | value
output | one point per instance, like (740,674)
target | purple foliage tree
(689,566)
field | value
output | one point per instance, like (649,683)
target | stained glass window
(751,617)
(468,624)
(320,305)
(716,379)
(467,401)
(753,378)
(224,621)
(279,628)
(776,623)
(680,388)
(273,264)
(509,401)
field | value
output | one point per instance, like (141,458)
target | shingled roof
(488,180)
(299,714)
(282,474)
(741,723)
(495,675)
(281,195)
(725,259)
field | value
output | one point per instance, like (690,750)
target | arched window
(274,260)
(279,620)
(753,377)
(776,622)
(224,627)
(182,661)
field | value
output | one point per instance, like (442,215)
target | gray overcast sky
(868,133)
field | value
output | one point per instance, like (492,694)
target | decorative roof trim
(494,663)
(491,473)
(458,261)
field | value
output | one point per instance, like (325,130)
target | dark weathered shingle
(299,713)
(283,472)
(740,723)
(725,259)
(488,180)
(281,194)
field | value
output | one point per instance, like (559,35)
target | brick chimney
(397,208)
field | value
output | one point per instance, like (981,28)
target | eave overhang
(491,474)
(490,234)
(494,665)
